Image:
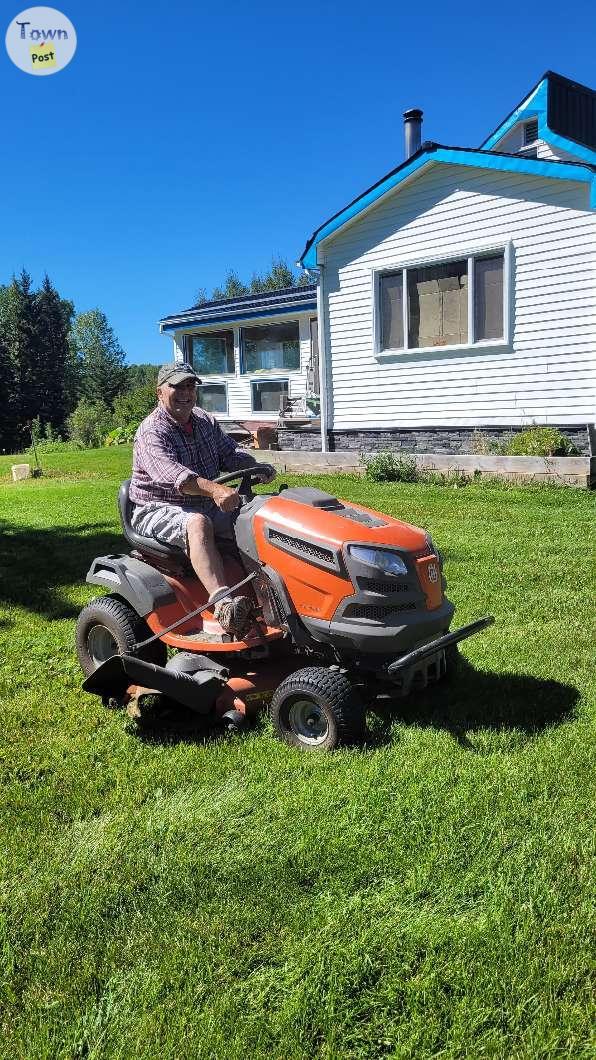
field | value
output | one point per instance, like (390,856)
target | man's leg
(204,554)
(234,614)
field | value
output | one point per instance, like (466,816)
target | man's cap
(176,373)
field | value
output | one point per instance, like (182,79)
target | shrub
(133,405)
(121,435)
(387,467)
(539,441)
(483,445)
(89,424)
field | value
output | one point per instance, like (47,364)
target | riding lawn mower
(348,607)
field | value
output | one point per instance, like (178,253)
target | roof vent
(530,132)
(412,130)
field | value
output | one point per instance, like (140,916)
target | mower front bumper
(419,655)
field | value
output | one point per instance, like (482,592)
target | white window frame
(445,259)
(209,380)
(255,380)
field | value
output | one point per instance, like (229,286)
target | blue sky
(183,140)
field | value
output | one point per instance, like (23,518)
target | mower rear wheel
(109,626)
(317,709)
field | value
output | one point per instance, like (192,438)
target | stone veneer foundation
(423,439)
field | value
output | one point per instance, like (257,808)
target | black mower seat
(149,546)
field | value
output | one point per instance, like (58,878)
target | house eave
(459,156)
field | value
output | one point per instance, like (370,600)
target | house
(458,293)
(252,352)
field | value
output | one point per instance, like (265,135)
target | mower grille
(296,544)
(371,586)
(377,614)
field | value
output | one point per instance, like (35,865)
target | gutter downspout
(321,324)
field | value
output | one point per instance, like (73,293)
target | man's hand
(227,500)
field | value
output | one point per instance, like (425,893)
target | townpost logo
(41,40)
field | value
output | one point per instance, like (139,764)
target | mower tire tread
(126,627)
(331,691)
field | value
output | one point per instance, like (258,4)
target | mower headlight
(389,562)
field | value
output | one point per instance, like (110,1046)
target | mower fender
(142,586)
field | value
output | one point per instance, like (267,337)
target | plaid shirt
(165,456)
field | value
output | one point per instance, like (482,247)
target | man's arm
(226,499)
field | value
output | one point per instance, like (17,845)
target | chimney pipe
(412,130)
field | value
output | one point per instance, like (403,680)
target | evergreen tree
(279,276)
(98,357)
(10,419)
(19,337)
(141,375)
(53,316)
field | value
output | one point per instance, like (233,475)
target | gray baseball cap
(176,373)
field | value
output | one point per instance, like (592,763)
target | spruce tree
(22,356)
(53,318)
(99,358)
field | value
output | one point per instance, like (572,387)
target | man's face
(178,400)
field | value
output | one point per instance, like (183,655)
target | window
(213,397)
(436,310)
(272,346)
(438,305)
(530,132)
(212,353)
(268,394)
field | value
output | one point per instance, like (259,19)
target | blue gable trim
(536,106)
(451,156)
(223,318)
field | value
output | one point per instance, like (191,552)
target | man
(178,450)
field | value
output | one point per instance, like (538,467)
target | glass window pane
(213,352)
(212,397)
(488,297)
(268,394)
(392,316)
(438,305)
(271,346)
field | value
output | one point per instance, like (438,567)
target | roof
(269,303)
(563,107)
(430,153)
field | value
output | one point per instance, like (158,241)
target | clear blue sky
(185,139)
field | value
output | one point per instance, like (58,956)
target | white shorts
(168,522)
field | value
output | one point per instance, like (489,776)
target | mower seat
(168,557)
(147,546)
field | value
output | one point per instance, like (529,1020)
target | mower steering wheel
(247,476)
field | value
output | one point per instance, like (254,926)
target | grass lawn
(427,895)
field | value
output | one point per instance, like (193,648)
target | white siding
(547,373)
(238,385)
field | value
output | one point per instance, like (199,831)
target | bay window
(458,302)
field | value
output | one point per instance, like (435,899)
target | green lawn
(185,896)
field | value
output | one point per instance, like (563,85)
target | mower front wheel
(317,709)
(108,626)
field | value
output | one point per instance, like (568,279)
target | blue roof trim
(536,106)
(288,311)
(451,156)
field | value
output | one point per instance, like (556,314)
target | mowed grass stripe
(428,895)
